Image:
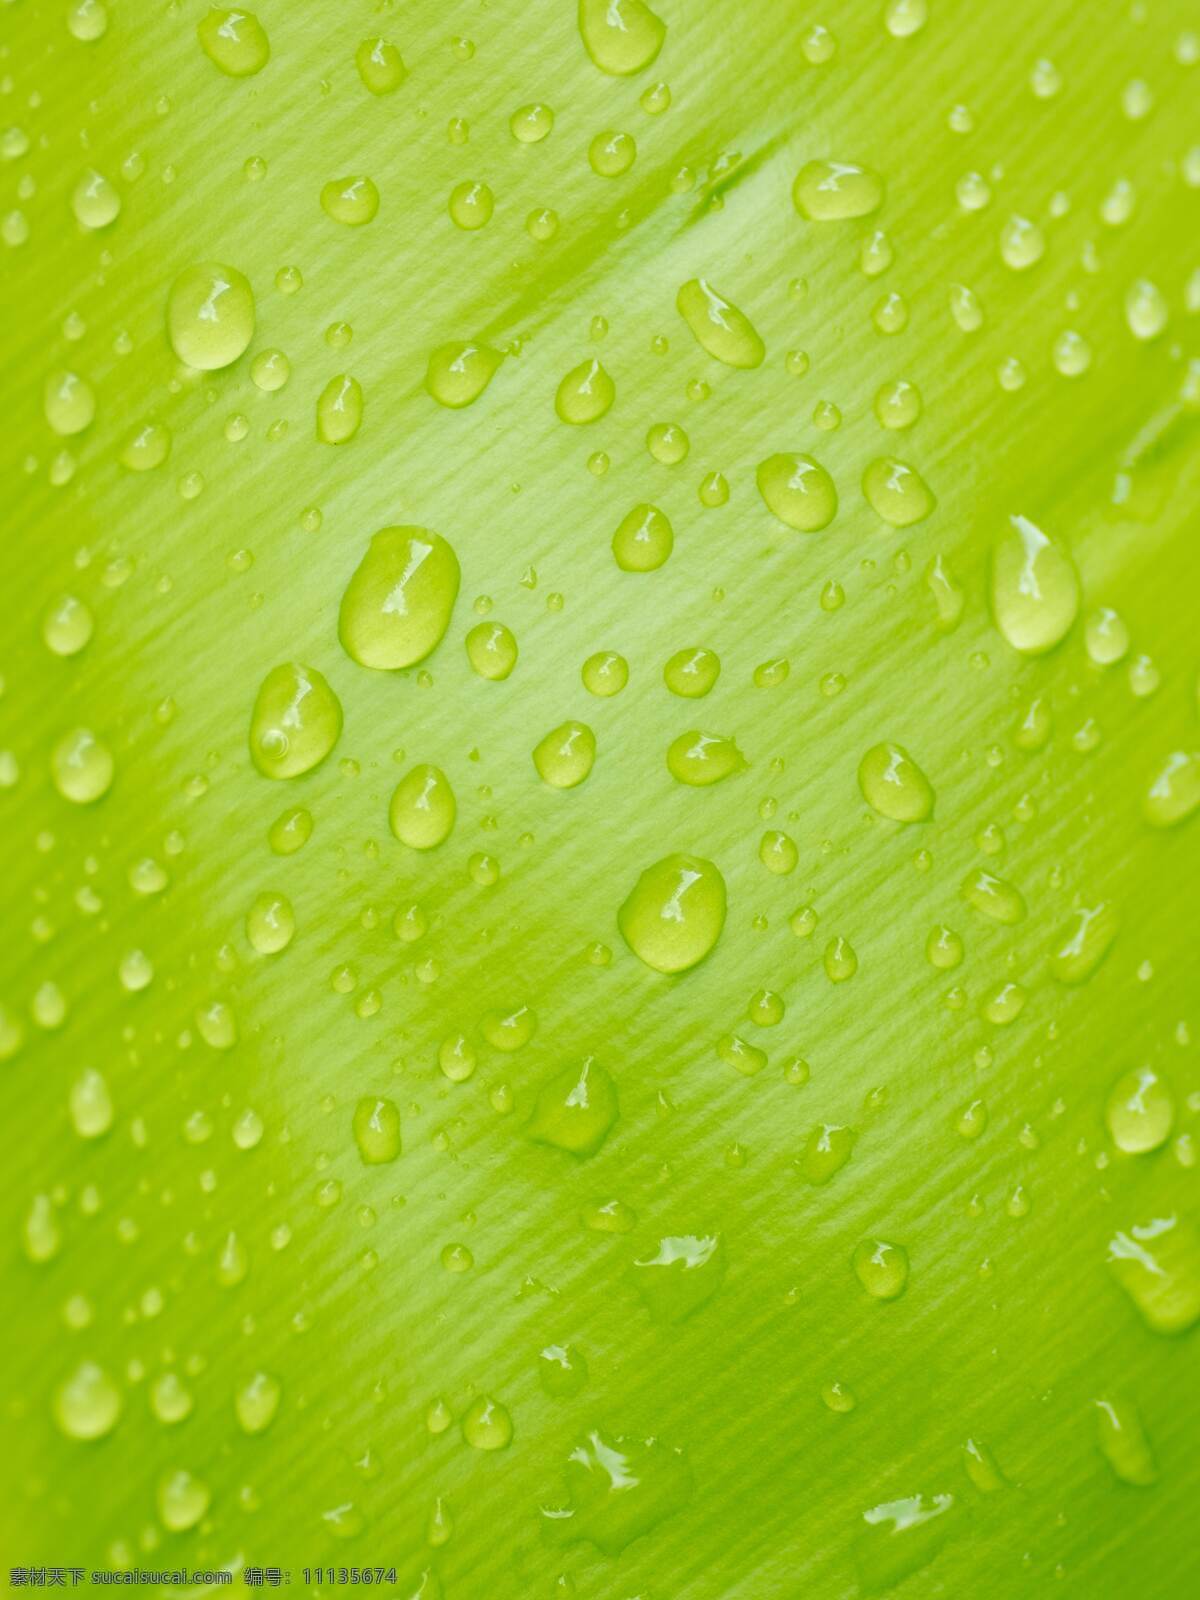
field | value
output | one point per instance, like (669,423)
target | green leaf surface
(626,1222)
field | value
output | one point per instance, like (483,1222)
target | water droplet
(565,756)
(1123,1441)
(377,1130)
(605,674)
(797,490)
(643,540)
(840,960)
(458,373)
(897,492)
(899,1537)
(674,914)
(1140,1111)
(290,832)
(351,201)
(69,402)
(832,191)
(1034,588)
(1080,946)
(1145,309)
(95,201)
(720,328)
(296,721)
(471,206)
(210,316)
(563,1370)
(894,785)
(611,154)
(270,924)
(1157,1263)
(398,602)
(67,625)
(585,394)
(90,1104)
(1022,243)
(993,897)
(621,36)
(182,1499)
(234,41)
(423,808)
(903,18)
(380,66)
(699,759)
(492,650)
(826,1151)
(1174,791)
(667,443)
(87,1403)
(575,1110)
(486,1425)
(692,673)
(82,766)
(682,1275)
(339,410)
(881,1268)
(778,852)
(257,1401)
(898,405)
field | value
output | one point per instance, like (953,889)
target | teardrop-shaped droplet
(398,603)
(894,785)
(423,808)
(295,723)
(1140,1112)
(210,316)
(881,1268)
(458,373)
(380,66)
(82,767)
(993,897)
(1082,944)
(585,394)
(726,333)
(1034,587)
(674,914)
(351,201)
(339,410)
(897,492)
(797,490)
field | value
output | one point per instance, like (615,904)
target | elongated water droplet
(423,808)
(398,602)
(831,191)
(699,759)
(1123,1441)
(898,1537)
(1082,944)
(1140,1111)
(674,914)
(377,1130)
(894,785)
(1034,588)
(1157,1263)
(339,410)
(726,333)
(682,1275)
(826,1151)
(296,721)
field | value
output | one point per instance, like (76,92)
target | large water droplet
(575,1109)
(621,36)
(234,41)
(674,914)
(726,333)
(423,808)
(897,492)
(210,316)
(798,490)
(830,191)
(699,759)
(397,604)
(894,785)
(1034,588)
(295,723)
(458,373)
(1157,1263)
(1140,1112)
